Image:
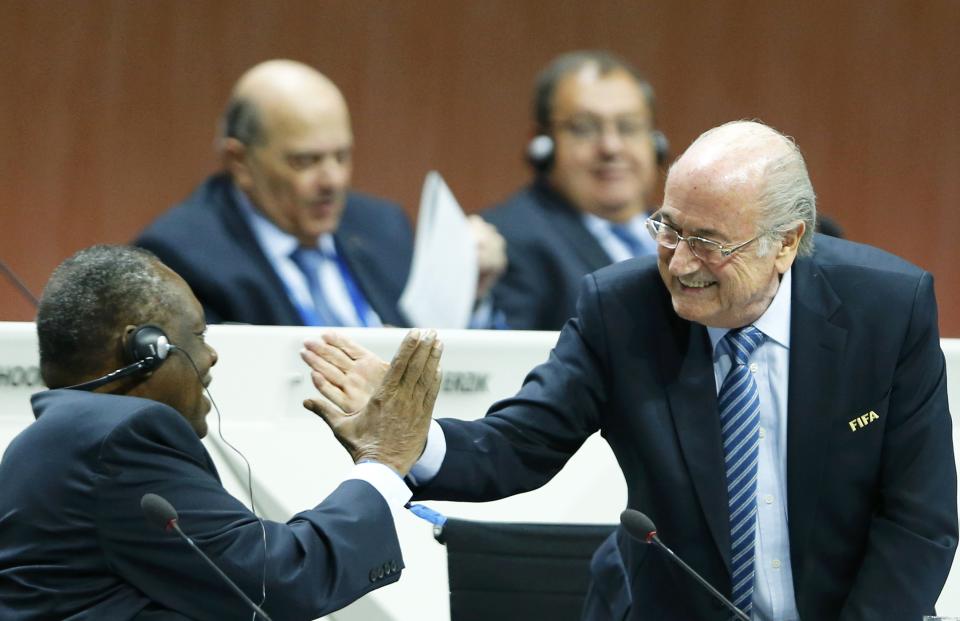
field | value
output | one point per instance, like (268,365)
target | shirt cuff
(385,480)
(428,465)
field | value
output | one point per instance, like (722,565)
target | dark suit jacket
(207,241)
(74,543)
(549,252)
(872,510)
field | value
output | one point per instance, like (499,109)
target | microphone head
(158,511)
(638,525)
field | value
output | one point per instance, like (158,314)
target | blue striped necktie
(739,404)
(309,261)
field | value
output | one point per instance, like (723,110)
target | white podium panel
(259,384)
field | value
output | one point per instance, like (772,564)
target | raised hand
(344,372)
(391,427)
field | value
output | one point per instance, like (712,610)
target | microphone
(642,528)
(19,284)
(161,514)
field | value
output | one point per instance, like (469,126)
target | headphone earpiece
(661,147)
(540,152)
(147,344)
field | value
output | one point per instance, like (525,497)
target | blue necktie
(629,239)
(739,404)
(309,261)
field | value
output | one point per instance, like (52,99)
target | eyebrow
(706,233)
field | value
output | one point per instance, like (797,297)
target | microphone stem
(213,565)
(736,611)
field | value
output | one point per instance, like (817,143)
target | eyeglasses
(707,250)
(589,128)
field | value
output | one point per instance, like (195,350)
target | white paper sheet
(443,277)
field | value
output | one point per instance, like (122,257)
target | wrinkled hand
(391,426)
(491,254)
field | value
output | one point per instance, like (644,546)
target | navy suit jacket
(549,252)
(74,543)
(208,242)
(872,510)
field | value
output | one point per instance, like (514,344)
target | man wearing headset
(596,155)
(73,539)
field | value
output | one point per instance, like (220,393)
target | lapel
(816,361)
(234,222)
(363,267)
(565,220)
(692,395)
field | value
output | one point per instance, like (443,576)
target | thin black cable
(19,284)
(253,506)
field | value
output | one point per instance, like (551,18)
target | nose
(214,357)
(610,140)
(332,173)
(683,260)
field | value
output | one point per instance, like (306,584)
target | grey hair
(787,195)
(786,198)
(88,297)
(242,121)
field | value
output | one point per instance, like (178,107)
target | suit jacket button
(394,566)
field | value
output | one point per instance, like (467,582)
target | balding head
(274,86)
(288,145)
(742,202)
(759,159)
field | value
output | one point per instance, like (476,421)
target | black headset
(540,150)
(144,350)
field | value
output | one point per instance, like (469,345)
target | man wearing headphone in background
(278,238)
(596,154)
(73,539)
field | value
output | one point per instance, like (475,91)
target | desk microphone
(161,514)
(642,528)
(19,284)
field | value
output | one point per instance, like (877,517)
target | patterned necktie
(739,404)
(309,261)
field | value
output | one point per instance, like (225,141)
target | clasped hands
(379,412)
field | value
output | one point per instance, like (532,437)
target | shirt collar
(275,242)
(601,226)
(774,322)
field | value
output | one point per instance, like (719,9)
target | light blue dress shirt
(773,597)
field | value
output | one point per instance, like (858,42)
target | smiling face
(175,382)
(609,172)
(714,192)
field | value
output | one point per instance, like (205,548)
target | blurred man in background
(596,155)
(278,237)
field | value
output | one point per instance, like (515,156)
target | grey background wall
(108,108)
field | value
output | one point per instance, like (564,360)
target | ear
(789,246)
(235,157)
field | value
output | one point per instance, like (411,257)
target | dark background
(108,109)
